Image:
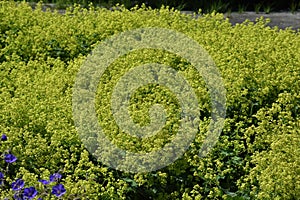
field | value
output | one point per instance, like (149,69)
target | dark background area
(195,5)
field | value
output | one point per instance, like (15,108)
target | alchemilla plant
(18,188)
(257,155)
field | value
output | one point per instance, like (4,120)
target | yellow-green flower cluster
(257,155)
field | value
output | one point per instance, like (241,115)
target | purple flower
(45,182)
(30,193)
(3,137)
(55,177)
(1,175)
(17,185)
(1,178)
(10,158)
(18,196)
(58,190)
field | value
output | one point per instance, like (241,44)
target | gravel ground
(282,20)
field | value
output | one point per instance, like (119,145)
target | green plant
(294,6)
(181,6)
(242,8)
(229,12)
(281,153)
(42,52)
(268,8)
(257,7)
(217,6)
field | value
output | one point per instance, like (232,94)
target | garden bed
(255,157)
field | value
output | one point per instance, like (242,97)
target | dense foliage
(257,155)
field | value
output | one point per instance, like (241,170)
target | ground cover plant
(257,155)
